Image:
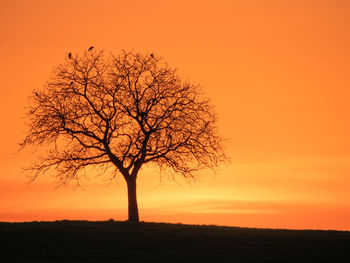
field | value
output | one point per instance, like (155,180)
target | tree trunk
(132,207)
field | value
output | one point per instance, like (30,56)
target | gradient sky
(277,72)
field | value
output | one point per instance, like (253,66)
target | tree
(121,112)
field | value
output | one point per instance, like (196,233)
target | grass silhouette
(112,241)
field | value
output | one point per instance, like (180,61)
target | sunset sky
(277,72)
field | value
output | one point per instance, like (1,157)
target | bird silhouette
(36,94)
(90,48)
(70,55)
(152,56)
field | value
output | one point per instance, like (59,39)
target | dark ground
(109,241)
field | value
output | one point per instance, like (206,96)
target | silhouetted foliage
(121,112)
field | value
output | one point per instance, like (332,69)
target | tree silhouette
(120,113)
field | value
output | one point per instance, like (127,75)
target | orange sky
(277,71)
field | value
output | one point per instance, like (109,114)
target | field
(111,241)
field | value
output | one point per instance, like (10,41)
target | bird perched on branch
(152,56)
(70,55)
(90,48)
(36,94)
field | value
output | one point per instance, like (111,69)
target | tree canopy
(121,112)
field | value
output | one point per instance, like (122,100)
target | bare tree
(121,112)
